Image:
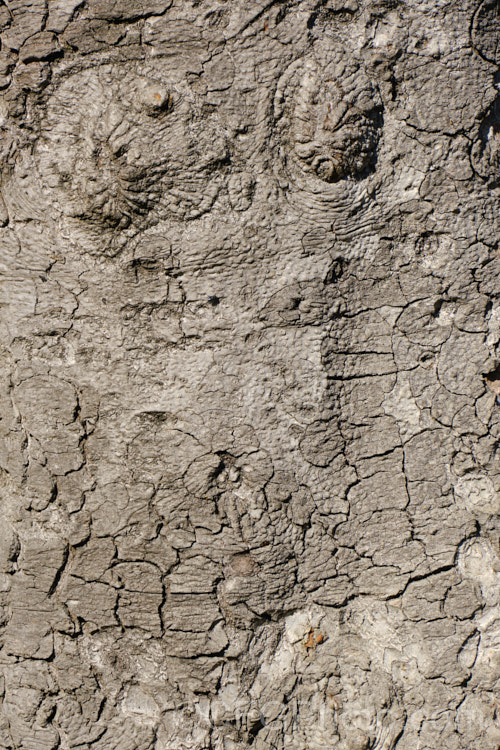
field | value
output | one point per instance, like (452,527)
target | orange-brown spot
(312,640)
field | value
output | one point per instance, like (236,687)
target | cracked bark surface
(250,375)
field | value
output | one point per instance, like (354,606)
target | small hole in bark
(255,729)
(426,358)
(492,380)
(437,308)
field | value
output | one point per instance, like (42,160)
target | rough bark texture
(250,374)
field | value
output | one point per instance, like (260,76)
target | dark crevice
(59,572)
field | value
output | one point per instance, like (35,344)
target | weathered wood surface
(250,374)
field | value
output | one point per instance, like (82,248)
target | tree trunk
(250,374)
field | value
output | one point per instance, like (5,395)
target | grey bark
(249,375)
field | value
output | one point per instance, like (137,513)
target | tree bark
(250,374)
